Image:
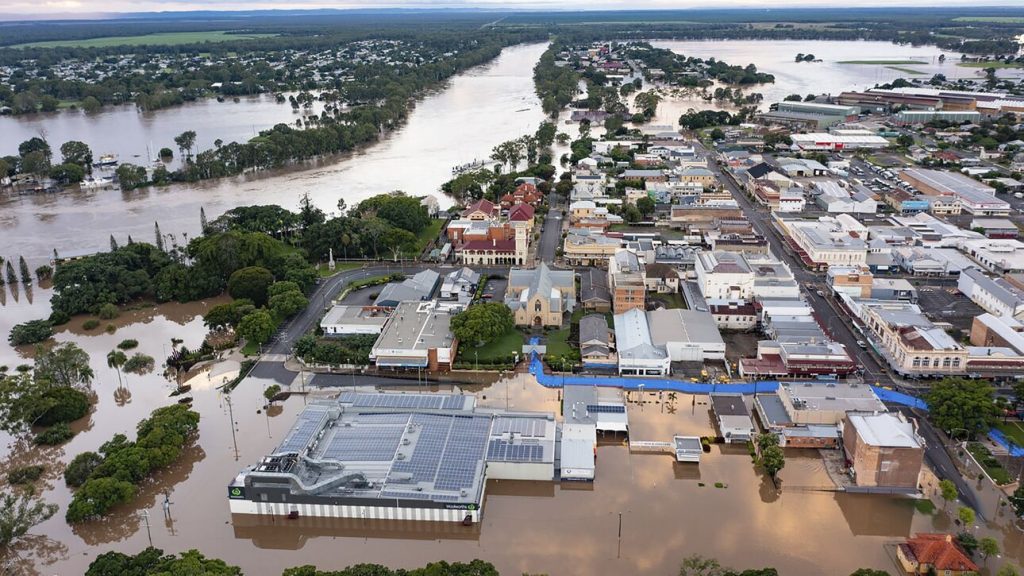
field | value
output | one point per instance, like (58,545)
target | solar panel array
(309,423)
(601,408)
(528,427)
(404,401)
(429,447)
(465,449)
(364,443)
(501,451)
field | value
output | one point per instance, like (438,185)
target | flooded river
(477,110)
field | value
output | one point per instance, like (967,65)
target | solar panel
(458,469)
(357,443)
(602,408)
(309,423)
(501,451)
(531,427)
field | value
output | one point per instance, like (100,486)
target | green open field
(159,39)
(990,64)
(995,19)
(498,350)
(907,70)
(881,62)
(1014,431)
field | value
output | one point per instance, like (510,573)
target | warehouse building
(686,335)
(395,457)
(821,141)
(417,335)
(975,197)
(907,117)
(348,320)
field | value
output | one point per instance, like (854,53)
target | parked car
(862,344)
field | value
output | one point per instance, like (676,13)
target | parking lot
(496,287)
(947,304)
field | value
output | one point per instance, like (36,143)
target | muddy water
(668,510)
(477,110)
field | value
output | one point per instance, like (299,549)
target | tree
(966,516)
(152,561)
(773,458)
(65,365)
(116,359)
(67,174)
(1017,501)
(257,327)
(959,403)
(697,565)
(251,283)
(36,163)
(75,152)
(287,304)
(19,513)
(91,105)
(1008,570)
(26,274)
(129,176)
(44,272)
(309,214)
(81,467)
(96,497)
(35,144)
(988,546)
(904,140)
(646,206)
(185,141)
(480,324)
(869,572)
(31,332)
(947,488)
(271,391)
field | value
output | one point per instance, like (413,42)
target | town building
(975,197)
(856,281)
(995,227)
(724,276)
(825,242)
(995,295)
(934,554)
(540,296)
(395,457)
(419,286)
(911,343)
(826,403)
(349,320)
(461,284)
(638,355)
(594,292)
(733,418)
(821,141)
(584,248)
(735,316)
(998,256)
(885,451)
(626,281)
(686,335)
(597,345)
(417,335)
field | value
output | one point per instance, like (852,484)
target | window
(884,466)
(956,362)
(946,362)
(537,306)
(917,361)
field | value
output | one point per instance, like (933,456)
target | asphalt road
(550,236)
(938,459)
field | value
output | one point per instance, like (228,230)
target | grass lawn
(881,62)
(500,349)
(1014,431)
(558,343)
(671,301)
(159,39)
(428,235)
(990,64)
(907,70)
(992,466)
(251,349)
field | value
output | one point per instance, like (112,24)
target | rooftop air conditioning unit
(400,456)
(405,442)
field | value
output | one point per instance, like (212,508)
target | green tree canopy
(481,323)
(19,513)
(396,209)
(75,152)
(257,326)
(251,283)
(960,403)
(30,332)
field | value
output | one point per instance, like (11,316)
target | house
(521,214)
(525,193)
(884,449)
(934,554)
(482,209)
(661,278)
(596,345)
(638,355)
(540,296)
(733,418)
(594,292)
(418,287)
(459,282)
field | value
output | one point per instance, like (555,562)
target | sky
(92,7)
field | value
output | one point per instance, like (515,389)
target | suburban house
(594,293)
(540,296)
(884,449)
(481,210)
(525,193)
(521,214)
(596,342)
(661,278)
(934,554)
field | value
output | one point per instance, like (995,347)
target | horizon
(44,10)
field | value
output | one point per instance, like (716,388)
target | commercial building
(417,335)
(821,141)
(825,242)
(585,248)
(733,418)
(885,451)
(724,276)
(626,281)
(686,335)
(350,320)
(995,227)
(810,115)
(826,402)
(460,283)
(975,197)
(420,286)
(907,117)
(995,295)
(540,296)
(638,355)
(911,343)
(998,256)
(395,457)
(834,198)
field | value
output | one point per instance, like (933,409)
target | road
(938,459)
(550,236)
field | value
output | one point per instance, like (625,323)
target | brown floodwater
(668,510)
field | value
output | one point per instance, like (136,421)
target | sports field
(158,39)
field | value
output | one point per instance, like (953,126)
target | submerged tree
(19,514)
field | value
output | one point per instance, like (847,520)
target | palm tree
(116,359)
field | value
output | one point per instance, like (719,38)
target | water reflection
(282,533)
(876,514)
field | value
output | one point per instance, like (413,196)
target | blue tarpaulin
(999,438)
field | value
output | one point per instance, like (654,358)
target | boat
(106,160)
(474,165)
(97,182)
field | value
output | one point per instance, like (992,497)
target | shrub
(81,467)
(25,474)
(44,272)
(57,434)
(30,332)
(111,329)
(65,405)
(128,344)
(139,364)
(108,312)
(90,324)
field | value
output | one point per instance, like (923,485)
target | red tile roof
(490,245)
(483,205)
(938,551)
(521,213)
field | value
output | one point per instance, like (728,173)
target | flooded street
(477,110)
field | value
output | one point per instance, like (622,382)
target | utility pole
(145,516)
(231,415)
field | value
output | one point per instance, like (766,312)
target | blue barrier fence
(999,438)
(669,385)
